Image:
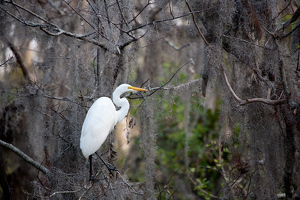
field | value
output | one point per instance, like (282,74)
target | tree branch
(293,18)
(161,21)
(244,41)
(25,157)
(8,60)
(19,59)
(86,20)
(52,29)
(65,192)
(148,3)
(161,87)
(174,46)
(194,20)
(253,100)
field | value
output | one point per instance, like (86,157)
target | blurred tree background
(220,119)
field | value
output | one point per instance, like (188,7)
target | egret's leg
(110,168)
(91,168)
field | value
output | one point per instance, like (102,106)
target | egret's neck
(123,104)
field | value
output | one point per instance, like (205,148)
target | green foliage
(202,145)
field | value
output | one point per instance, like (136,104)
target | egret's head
(128,88)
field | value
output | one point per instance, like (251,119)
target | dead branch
(194,20)
(253,100)
(26,157)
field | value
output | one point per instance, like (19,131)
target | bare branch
(25,157)
(155,90)
(19,59)
(175,47)
(287,34)
(52,29)
(194,20)
(9,59)
(133,190)
(253,100)
(245,41)
(64,192)
(279,13)
(171,8)
(163,20)
(293,18)
(86,21)
(122,14)
(149,2)
(177,87)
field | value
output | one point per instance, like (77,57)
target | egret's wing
(99,121)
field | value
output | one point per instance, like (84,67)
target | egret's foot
(111,168)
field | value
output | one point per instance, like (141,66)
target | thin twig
(163,20)
(248,189)
(10,58)
(128,184)
(194,20)
(245,41)
(293,18)
(174,192)
(155,90)
(174,47)
(122,15)
(149,2)
(282,10)
(171,8)
(86,20)
(177,87)
(65,192)
(287,34)
(86,190)
(19,59)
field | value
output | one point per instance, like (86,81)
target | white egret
(101,119)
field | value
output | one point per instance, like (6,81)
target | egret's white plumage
(101,119)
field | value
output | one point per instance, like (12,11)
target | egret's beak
(137,89)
